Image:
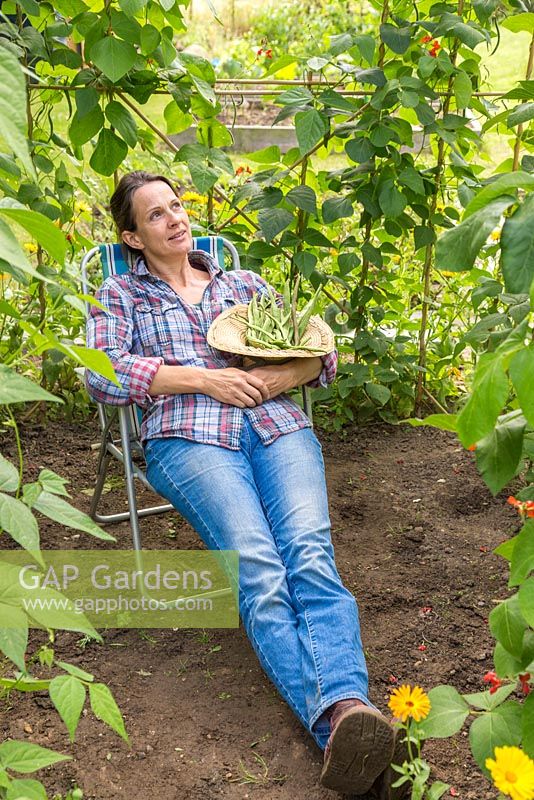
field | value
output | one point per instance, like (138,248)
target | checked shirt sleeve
(328,372)
(110,329)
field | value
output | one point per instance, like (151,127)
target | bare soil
(413,527)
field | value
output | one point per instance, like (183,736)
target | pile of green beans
(274,323)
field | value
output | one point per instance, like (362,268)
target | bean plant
(385,207)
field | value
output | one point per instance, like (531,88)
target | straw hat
(228,333)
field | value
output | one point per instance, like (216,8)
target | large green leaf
(498,187)
(517,248)
(15,388)
(310,127)
(68,695)
(391,200)
(17,519)
(114,57)
(463,89)
(522,374)
(495,729)
(397,39)
(303,197)
(95,360)
(522,562)
(526,600)
(507,624)
(506,666)
(13,122)
(26,789)
(40,227)
(484,8)
(13,634)
(489,394)
(121,119)
(106,709)
(498,454)
(176,119)
(150,38)
(521,113)
(335,208)
(445,422)
(132,7)
(268,155)
(83,128)
(519,22)
(359,149)
(59,510)
(109,153)
(27,757)
(487,701)
(448,713)
(273,221)
(457,248)
(203,176)
(9,476)
(12,252)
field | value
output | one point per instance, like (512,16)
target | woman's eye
(154,215)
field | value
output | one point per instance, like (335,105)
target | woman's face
(162,225)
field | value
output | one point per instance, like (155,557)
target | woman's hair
(121,202)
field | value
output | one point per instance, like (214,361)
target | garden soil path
(413,527)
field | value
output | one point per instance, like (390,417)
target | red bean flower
(491,678)
(524,507)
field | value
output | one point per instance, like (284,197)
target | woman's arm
(228,385)
(280,378)
(110,328)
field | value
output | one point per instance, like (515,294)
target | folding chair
(116,260)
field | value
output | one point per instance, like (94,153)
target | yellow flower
(495,235)
(406,702)
(192,197)
(449,274)
(80,206)
(30,247)
(512,772)
(395,259)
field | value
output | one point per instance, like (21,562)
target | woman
(238,459)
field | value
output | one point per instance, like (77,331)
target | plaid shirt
(146,323)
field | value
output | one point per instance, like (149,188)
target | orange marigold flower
(472,447)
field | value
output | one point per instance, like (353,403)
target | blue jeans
(270,504)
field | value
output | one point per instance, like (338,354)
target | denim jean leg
(213,488)
(290,477)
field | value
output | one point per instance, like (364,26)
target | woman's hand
(280,378)
(235,387)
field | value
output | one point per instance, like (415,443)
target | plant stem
(19,446)
(429,251)
(520,128)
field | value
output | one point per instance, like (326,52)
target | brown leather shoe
(359,749)
(382,788)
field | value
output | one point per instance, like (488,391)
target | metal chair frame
(128,442)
